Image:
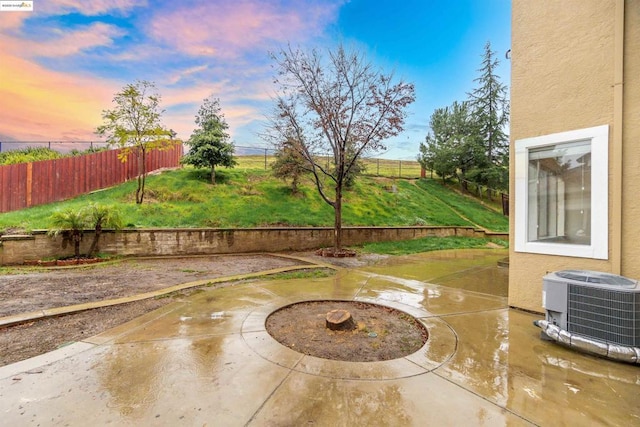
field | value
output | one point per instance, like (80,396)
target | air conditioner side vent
(604,314)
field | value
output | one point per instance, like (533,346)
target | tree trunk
(76,237)
(337,207)
(213,174)
(340,320)
(142,174)
(139,190)
(94,243)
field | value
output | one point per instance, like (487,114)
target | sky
(62,63)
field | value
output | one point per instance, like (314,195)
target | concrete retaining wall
(15,249)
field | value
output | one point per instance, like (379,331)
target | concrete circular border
(438,349)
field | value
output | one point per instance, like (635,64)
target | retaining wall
(15,249)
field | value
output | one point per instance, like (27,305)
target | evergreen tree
(453,145)
(490,104)
(209,144)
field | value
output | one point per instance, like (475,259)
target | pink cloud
(37,103)
(182,74)
(69,42)
(226,29)
(90,8)
(40,104)
(235,116)
(12,20)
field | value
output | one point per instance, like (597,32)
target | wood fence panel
(91,166)
(5,175)
(50,179)
(36,182)
(100,176)
(61,179)
(79,178)
(18,185)
(2,187)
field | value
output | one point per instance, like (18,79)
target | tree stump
(340,320)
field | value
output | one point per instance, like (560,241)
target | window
(562,193)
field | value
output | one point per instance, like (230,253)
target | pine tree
(490,103)
(452,146)
(209,144)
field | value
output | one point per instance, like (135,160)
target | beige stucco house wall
(575,65)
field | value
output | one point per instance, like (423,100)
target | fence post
(378,167)
(265,159)
(505,204)
(399,168)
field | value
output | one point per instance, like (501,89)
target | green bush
(29,154)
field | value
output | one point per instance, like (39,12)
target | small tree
(209,144)
(99,217)
(342,106)
(289,164)
(71,223)
(135,126)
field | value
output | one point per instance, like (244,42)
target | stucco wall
(154,242)
(562,79)
(631,138)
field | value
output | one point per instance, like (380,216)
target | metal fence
(262,158)
(59,146)
(250,157)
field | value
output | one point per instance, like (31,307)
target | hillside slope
(253,198)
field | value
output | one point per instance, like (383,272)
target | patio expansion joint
(275,389)
(491,402)
(462,313)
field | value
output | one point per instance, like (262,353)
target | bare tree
(342,106)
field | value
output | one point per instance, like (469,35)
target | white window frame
(599,247)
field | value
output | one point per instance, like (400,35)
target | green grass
(312,273)
(428,244)
(373,167)
(467,205)
(245,198)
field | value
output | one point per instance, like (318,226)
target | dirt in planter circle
(380,333)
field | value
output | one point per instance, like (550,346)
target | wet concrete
(209,361)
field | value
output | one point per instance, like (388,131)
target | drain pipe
(616,163)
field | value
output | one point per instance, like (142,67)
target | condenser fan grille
(604,314)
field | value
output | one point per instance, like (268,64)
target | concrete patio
(208,360)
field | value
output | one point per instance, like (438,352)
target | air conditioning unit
(595,305)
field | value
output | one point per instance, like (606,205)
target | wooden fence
(31,184)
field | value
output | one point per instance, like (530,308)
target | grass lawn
(428,244)
(251,197)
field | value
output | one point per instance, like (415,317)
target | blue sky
(61,64)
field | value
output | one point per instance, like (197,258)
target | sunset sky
(61,64)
